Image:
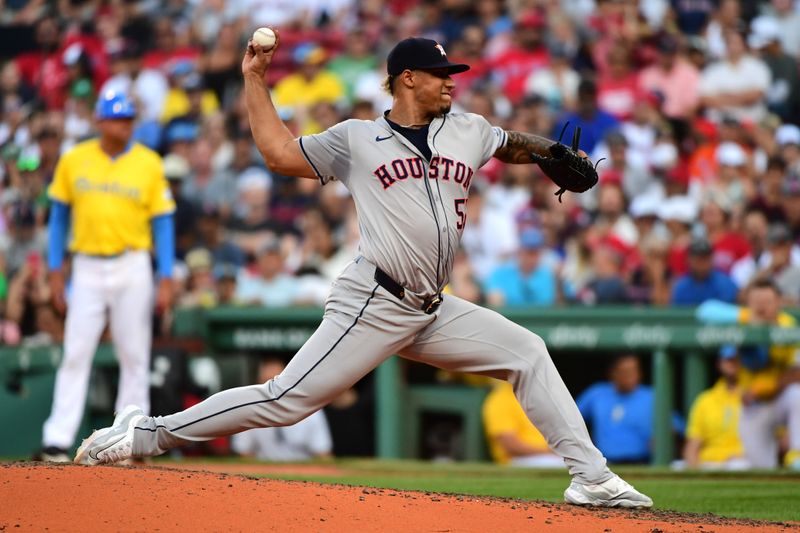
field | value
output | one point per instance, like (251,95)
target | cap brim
(452,68)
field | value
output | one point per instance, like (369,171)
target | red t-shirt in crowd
(617,96)
(47,74)
(515,65)
(728,249)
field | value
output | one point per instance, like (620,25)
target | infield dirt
(49,497)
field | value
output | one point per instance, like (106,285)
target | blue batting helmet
(112,105)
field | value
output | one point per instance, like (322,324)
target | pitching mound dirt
(37,497)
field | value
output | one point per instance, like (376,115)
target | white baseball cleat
(112,444)
(615,492)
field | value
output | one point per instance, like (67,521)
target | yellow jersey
(112,199)
(502,414)
(764,383)
(177,104)
(714,420)
(295,90)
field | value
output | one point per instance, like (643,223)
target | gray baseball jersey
(411,213)
(410,226)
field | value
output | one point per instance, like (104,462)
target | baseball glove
(566,167)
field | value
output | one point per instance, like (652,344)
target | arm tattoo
(519,146)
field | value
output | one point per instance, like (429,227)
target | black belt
(431,303)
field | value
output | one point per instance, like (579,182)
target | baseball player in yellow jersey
(712,434)
(512,438)
(769,377)
(113,195)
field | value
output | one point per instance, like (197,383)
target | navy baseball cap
(418,53)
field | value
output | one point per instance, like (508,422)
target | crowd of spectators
(694,107)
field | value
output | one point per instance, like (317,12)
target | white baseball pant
(120,288)
(760,421)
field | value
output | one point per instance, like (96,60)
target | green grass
(756,495)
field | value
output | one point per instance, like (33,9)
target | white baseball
(265,37)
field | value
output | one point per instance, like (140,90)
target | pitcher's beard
(442,111)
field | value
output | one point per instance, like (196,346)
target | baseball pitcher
(409,172)
(111,193)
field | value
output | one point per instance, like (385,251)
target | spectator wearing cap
(252,222)
(712,433)
(732,182)
(781,263)
(210,235)
(200,289)
(526,280)
(179,137)
(527,53)
(268,285)
(703,166)
(225,276)
(791,202)
(176,170)
(678,214)
(594,123)
(188,98)
(737,84)
(783,95)
(702,282)
(310,84)
(729,246)
(787,137)
(674,78)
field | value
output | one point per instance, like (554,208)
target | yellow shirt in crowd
(111,199)
(502,413)
(764,383)
(714,420)
(177,104)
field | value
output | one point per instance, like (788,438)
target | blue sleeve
(548,289)
(731,290)
(717,312)
(585,400)
(164,236)
(57,234)
(679,294)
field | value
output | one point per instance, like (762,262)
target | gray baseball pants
(760,421)
(364,324)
